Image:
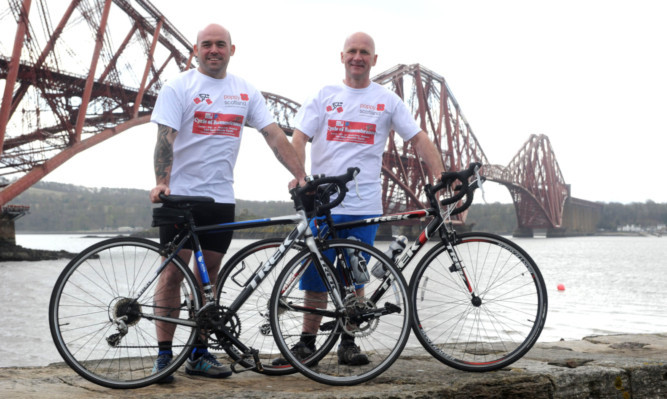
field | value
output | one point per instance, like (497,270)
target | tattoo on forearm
(163,157)
(280,157)
(292,165)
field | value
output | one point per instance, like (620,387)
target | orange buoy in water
(561,287)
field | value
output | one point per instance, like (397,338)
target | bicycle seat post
(199,260)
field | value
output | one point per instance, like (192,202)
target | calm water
(612,285)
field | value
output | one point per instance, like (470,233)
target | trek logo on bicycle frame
(261,273)
(394,218)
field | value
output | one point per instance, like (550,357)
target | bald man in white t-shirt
(349,124)
(200,116)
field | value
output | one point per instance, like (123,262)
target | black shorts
(206,214)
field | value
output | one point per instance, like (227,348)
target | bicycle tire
(380,337)
(488,333)
(99,286)
(254,328)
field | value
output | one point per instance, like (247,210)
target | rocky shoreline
(10,253)
(614,366)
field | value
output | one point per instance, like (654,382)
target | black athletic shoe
(350,354)
(300,350)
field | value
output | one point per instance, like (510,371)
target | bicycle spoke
(96,320)
(497,325)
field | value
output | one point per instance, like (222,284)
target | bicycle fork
(458,267)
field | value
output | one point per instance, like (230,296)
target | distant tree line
(648,215)
(57,207)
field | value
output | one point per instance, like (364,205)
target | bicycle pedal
(265,329)
(255,357)
(391,308)
(241,370)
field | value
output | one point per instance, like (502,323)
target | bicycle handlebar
(184,199)
(469,197)
(465,189)
(304,197)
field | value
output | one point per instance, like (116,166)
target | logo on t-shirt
(338,106)
(203,97)
(351,132)
(240,100)
(214,124)
(371,110)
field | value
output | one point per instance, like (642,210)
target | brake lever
(356,186)
(479,183)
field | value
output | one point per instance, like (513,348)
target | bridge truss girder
(54,105)
(53,108)
(438,114)
(537,186)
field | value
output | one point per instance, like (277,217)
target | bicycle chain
(210,322)
(354,305)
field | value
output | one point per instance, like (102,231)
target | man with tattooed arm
(200,116)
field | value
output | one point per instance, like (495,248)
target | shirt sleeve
(402,121)
(259,116)
(308,118)
(168,110)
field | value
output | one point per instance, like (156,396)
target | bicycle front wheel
(376,315)
(253,327)
(101,309)
(489,322)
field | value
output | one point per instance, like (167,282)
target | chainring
(356,305)
(211,322)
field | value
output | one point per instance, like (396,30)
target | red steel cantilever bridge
(81,73)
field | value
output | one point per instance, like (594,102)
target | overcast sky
(591,75)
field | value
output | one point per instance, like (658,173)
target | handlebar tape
(311,185)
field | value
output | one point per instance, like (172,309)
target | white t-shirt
(209,115)
(350,127)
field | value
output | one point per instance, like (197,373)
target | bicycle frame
(192,232)
(435,226)
(302,230)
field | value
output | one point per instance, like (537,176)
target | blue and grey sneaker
(161,362)
(208,366)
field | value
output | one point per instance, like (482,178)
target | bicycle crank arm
(306,309)
(370,314)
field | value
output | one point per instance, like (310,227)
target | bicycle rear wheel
(101,307)
(378,317)
(254,326)
(492,329)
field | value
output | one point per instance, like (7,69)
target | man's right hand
(155,192)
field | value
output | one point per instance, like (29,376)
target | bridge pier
(557,232)
(8,214)
(7,231)
(523,232)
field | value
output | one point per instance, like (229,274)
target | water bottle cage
(358,267)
